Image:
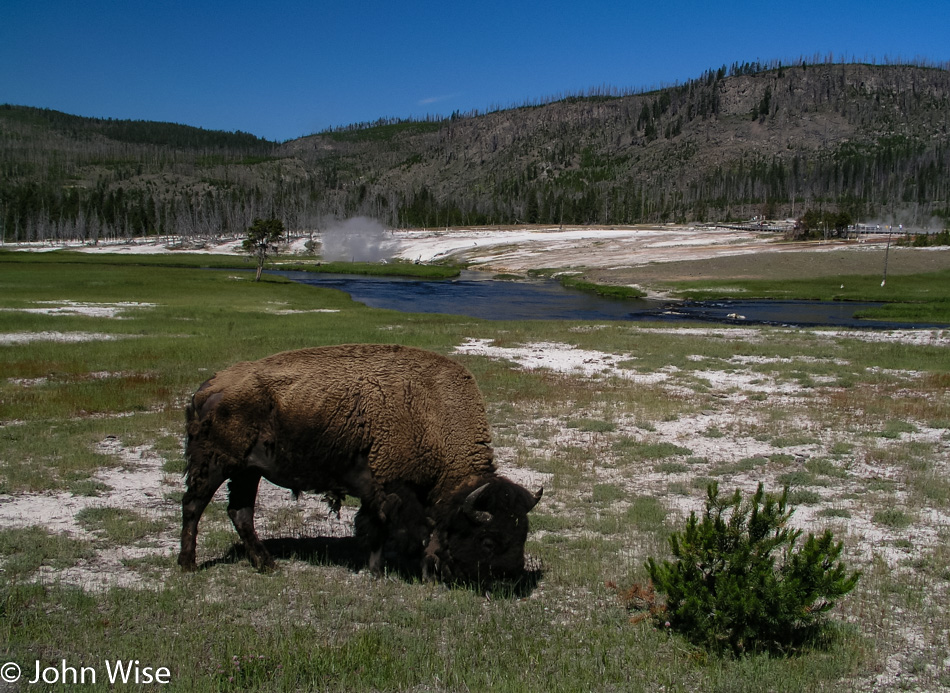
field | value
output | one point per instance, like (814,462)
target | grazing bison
(402,429)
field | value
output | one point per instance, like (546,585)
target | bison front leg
(398,539)
(371,521)
(371,529)
(242,495)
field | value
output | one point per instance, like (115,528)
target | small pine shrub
(739,585)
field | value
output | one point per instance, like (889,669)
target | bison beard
(402,429)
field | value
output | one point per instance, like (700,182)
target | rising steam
(359,239)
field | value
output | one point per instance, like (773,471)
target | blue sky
(281,70)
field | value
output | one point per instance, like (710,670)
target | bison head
(479,533)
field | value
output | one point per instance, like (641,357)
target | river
(474,295)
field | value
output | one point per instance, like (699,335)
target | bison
(402,429)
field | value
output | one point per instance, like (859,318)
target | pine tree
(262,238)
(727,591)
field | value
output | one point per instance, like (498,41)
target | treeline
(109,211)
(37,213)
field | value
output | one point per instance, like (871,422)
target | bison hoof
(430,569)
(188,566)
(265,565)
(376,563)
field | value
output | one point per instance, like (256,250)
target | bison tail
(192,426)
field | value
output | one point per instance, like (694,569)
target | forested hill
(872,141)
(36,122)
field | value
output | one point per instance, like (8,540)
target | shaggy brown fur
(366,420)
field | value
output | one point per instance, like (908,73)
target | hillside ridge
(872,141)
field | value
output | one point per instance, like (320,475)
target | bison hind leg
(199,492)
(242,495)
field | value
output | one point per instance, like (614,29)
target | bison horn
(536,497)
(468,507)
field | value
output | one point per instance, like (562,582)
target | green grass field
(186,260)
(98,358)
(917,288)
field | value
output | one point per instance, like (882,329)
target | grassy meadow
(916,289)
(98,358)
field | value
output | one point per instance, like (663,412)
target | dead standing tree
(262,238)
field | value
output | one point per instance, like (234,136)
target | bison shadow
(351,553)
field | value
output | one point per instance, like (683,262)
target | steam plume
(359,239)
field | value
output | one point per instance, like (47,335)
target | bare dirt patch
(54,336)
(563,358)
(925,337)
(524,248)
(66,307)
(138,484)
(84,308)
